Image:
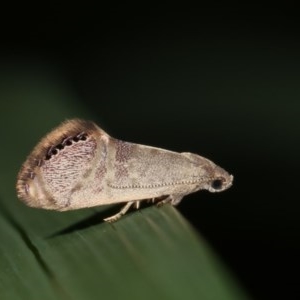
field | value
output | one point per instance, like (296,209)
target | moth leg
(173,199)
(151,200)
(164,201)
(122,212)
(137,204)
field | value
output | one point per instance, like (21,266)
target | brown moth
(79,165)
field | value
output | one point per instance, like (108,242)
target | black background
(223,82)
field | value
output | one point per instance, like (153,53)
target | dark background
(221,81)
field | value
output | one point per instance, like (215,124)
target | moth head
(220,180)
(58,164)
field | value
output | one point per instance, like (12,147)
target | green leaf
(152,253)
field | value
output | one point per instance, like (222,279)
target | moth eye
(217,184)
(75,139)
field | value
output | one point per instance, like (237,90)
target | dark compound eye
(217,184)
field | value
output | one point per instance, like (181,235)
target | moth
(79,165)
